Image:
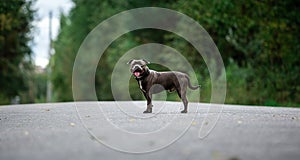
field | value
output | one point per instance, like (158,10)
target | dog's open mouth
(137,73)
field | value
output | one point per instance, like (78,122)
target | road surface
(111,130)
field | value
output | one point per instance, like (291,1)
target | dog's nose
(136,67)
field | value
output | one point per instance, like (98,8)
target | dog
(151,82)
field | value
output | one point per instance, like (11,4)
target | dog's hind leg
(182,96)
(185,103)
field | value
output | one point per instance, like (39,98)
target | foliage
(39,82)
(258,41)
(15,54)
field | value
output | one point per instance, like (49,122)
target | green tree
(258,41)
(74,28)
(261,37)
(16,18)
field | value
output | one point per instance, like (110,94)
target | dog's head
(139,67)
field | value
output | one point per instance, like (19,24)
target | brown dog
(151,82)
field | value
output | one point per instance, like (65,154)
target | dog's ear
(129,62)
(147,62)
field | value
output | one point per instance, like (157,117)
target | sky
(41,41)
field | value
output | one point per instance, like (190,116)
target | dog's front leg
(148,96)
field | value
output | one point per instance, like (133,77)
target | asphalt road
(110,130)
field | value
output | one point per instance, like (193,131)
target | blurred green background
(258,41)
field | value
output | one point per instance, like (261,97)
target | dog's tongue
(136,74)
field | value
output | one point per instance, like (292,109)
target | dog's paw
(148,110)
(184,111)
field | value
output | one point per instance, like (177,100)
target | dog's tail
(190,85)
